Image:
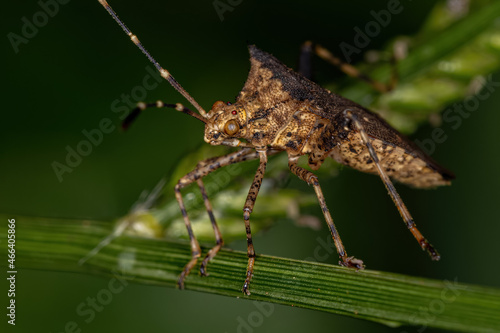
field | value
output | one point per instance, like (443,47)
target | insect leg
(405,214)
(203,169)
(218,236)
(353,71)
(247,209)
(311,179)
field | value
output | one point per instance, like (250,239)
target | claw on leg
(352,262)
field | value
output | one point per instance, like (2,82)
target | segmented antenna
(164,73)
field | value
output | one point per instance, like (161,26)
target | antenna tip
(104,3)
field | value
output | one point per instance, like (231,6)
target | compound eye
(231,127)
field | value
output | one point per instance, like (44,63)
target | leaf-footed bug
(280,110)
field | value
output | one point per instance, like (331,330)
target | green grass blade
(392,299)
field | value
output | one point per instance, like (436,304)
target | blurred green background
(64,81)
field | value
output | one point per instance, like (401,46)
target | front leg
(203,169)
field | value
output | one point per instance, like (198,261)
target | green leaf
(388,298)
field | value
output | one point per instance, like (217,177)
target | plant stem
(392,299)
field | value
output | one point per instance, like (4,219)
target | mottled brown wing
(324,103)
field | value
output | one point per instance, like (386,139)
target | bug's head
(225,121)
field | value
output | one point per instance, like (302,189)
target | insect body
(280,110)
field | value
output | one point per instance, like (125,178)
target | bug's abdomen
(398,163)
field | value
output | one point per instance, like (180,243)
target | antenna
(164,73)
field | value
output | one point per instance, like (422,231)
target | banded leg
(141,106)
(403,211)
(203,169)
(247,210)
(348,68)
(218,236)
(311,179)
